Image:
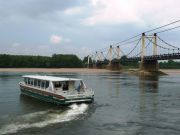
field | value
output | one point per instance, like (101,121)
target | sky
(46,27)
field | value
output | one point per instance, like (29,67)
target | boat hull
(51,97)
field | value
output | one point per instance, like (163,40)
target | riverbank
(160,72)
(56,70)
(171,71)
(77,70)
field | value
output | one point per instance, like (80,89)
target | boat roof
(50,78)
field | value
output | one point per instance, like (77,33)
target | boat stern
(80,97)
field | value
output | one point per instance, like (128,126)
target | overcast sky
(45,27)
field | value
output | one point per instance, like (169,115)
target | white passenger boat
(56,90)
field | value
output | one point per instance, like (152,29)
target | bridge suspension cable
(145,48)
(150,31)
(129,40)
(162,26)
(162,46)
(166,42)
(119,43)
(168,29)
(134,47)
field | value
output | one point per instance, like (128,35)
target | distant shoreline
(74,70)
(171,71)
(56,70)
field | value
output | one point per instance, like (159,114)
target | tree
(57,60)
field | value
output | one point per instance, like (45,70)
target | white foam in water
(50,118)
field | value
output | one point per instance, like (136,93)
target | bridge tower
(88,61)
(99,60)
(110,54)
(114,62)
(95,60)
(148,65)
(109,57)
(101,56)
(155,44)
(96,55)
(117,52)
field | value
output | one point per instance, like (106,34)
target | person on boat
(80,86)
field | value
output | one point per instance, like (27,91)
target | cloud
(55,39)
(16,44)
(116,11)
(132,11)
(35,9)
(74,10)
(104,22)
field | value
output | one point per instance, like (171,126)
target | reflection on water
(113,83)
(148,86)
(148,83)
(114,88)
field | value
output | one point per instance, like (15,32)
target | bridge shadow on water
(148,98)
(148,83)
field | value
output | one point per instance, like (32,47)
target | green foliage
(68,61)
(170,64)
(125,63)
(24,61)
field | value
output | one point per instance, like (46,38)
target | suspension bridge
(145,49)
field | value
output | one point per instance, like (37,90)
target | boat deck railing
(75,92)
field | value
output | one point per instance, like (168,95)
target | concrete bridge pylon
(148,65)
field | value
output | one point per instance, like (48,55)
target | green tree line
(26,61)
(170,64)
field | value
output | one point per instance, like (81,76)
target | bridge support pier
(100,65)
(149,65)
(116,66)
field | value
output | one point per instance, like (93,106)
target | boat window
(77,84)
(71,85)
(35,82)
(39,83)
(65,86)
(31,80)
(57,85)
(47,84)
(28,80)
(42,84)
(25,80)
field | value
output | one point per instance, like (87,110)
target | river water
(124,105)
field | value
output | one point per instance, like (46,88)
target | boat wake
(43,118)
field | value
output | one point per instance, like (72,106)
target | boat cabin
(55,84)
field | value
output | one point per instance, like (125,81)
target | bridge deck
(156,57)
